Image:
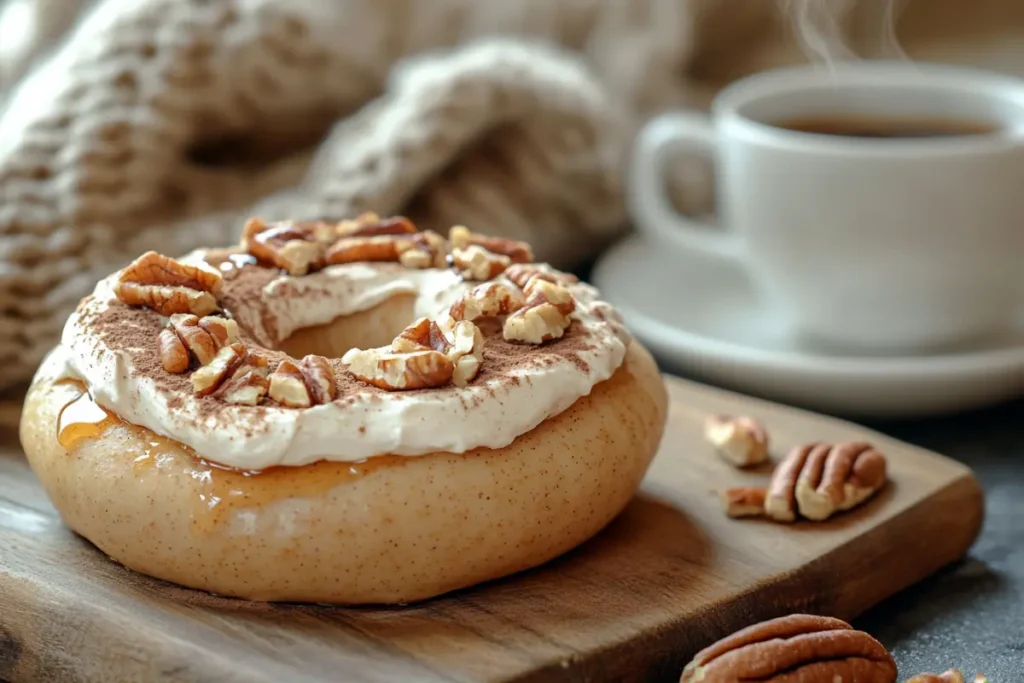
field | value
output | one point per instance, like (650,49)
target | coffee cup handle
(663,138)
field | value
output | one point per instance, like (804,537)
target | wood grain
(667,577)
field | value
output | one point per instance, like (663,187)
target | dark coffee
(864,127)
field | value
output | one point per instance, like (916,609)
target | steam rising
(821,27)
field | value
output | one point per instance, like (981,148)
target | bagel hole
(377,326)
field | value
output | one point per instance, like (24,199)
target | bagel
(294,461)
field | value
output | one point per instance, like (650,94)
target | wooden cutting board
(670,575)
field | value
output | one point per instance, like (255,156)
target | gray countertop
(971,615)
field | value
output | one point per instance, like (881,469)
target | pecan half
(544,316)
(208,378)
(173,355)
(399,371)
(311,382)
(476,263)
(292,246)
(817,480)
(486,300)
(744,501)
(742,441)
(799,647)
(517,252)
(168,286)
(522,273)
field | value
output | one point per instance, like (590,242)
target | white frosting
(489,413)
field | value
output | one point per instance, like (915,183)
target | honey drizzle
(222,491)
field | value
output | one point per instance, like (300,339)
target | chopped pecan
(173,354)
(744,501)
(421,335)
(466,352)
(208,378)
(818,480)
(248,386)
(742,441)
(399,371)
(294,247)
(370,224)
(319,376)
(951,676)
(423,250)
(799,647)
(198,341)
(486,300)
(544,316)
(476,263)
(517,252)
(369,249)
(168,286)
(288,386)
(223,330)
(521,273)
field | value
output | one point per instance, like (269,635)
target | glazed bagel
(343,528)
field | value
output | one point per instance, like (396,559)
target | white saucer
(705,320)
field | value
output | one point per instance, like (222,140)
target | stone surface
(970,616)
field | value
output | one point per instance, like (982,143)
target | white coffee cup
(867,243)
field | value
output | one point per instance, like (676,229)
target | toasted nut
(223,330)
(799,647)
(369,249)
(399,371)
(294,247)
(517,252)
(173,354)
(247,387)
(197,340)
(742,441)
(423,250)
(486,300)
(521,273)
(818,480)
(421,335)
(466,352)
(744,501)
(476,263)
(208,378)
(951,676)
(319,377)
(168,286)
(370,225)
(288,386)
(544,316)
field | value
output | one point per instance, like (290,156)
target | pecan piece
(168,286)
(294,247)
(198,341)
(486,300)
(311,382)
(799,647)
(466,352)
(399,371)
(517,252)
(544,316)
(247,387)
(421,335)
(951,676)
(173,355)
(744,501)
(208,378)
(423,250)
(476,263)
(817,480)
(370,224)
(223,330)
(522,273)
(743,441)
